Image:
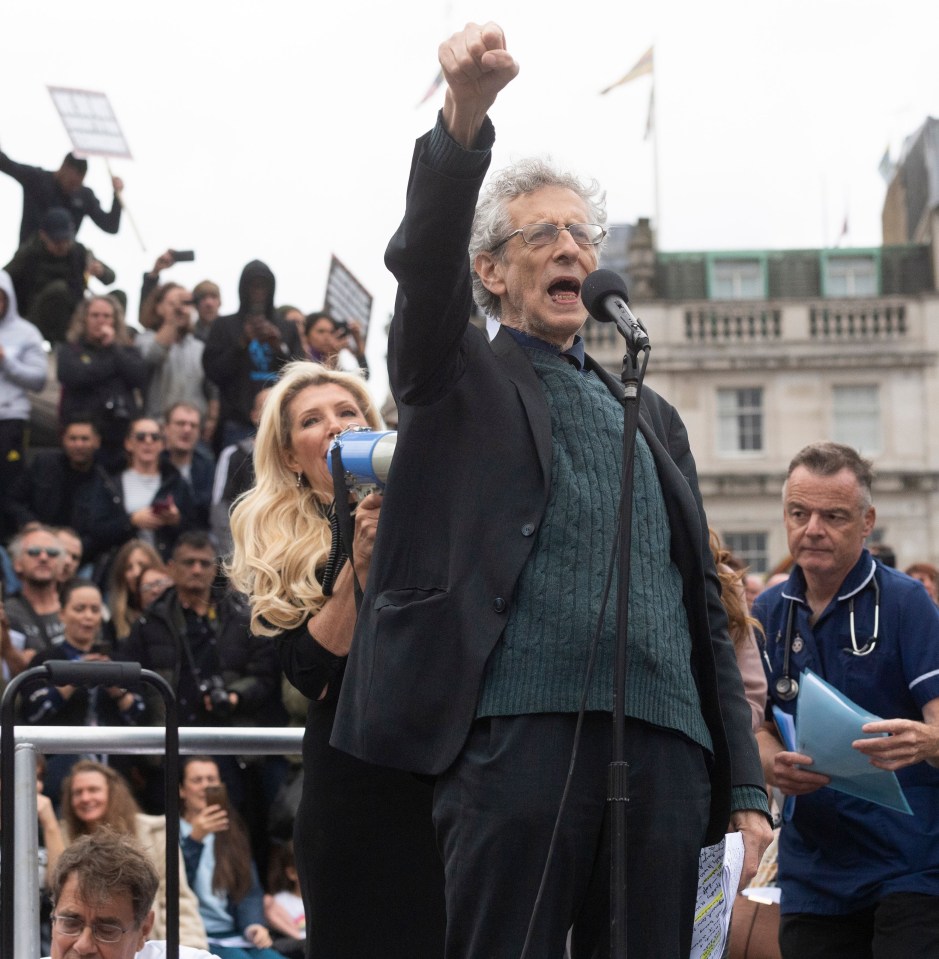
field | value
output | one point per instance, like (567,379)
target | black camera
(116,406)
(214,688)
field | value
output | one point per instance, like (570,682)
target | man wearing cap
(43,190)
(50,271)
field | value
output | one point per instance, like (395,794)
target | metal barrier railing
(30,741)
(149,740)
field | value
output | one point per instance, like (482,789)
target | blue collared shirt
(574,354)
(840,854)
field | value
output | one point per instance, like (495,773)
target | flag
(844,231)
(642,67)
(885,167)
(432,89)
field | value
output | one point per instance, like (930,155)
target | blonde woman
(366,855)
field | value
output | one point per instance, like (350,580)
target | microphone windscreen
(597,287)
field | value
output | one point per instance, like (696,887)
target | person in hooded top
(246,350)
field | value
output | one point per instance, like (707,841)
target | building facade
(764,352)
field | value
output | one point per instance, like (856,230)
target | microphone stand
(618,782)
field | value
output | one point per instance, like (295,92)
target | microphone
(604,295)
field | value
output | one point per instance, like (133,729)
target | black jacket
(105,524)
(239,368)
(247,664)
(49,491)
(105,381)
(41,192)
(33,268)
(455,534)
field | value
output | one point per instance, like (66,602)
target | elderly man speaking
(486,583)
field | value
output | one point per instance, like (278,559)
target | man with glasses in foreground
(486,582)
(858,880)
(103,889)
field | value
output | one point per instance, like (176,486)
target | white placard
(90,122)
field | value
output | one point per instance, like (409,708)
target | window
(750,548)
(856,417)
(740,420)
(850,276)
(737,280)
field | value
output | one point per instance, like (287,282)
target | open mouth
(564,290)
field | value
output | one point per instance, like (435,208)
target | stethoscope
(786,687)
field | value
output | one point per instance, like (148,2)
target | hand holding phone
(217,796)
(182,256)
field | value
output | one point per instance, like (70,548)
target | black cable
(337,555)
(588,673)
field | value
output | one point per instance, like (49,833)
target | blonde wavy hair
(280,530)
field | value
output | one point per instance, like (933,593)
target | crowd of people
(113,542)
(449,646)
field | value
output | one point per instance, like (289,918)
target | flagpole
(645,65)
(657,209)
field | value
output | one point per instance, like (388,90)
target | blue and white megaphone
(366,458)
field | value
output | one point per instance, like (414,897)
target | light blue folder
(827,722)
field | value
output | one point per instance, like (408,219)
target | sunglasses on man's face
(142,436)
(36,551)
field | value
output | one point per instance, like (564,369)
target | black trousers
(371,876)
(494,811)
(12,462)
(904,925)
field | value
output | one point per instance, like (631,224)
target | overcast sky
(283,131)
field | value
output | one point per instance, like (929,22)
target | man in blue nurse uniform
(859,881)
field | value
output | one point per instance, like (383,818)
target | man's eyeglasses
(142,435)
(72,926)
(50,551)
(195,561)
(543,234)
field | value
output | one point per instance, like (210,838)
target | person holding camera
(173,353)
(325,337)
(198,638)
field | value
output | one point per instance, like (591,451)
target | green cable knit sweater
(539,663)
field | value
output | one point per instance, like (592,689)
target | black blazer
(465,495)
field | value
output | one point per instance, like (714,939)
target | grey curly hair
(492,221)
